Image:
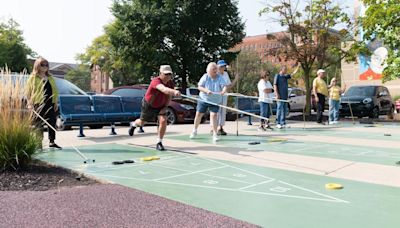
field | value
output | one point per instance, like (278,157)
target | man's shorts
(148,113)
(202,107)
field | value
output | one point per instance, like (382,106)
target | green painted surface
(281,142)
(342,131)
(259,195)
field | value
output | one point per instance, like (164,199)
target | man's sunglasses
(168,74)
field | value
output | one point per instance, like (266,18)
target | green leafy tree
(382,21)
(102,53)
(310,39)
(13,50)
(80,77)
(249,66)
(187,34)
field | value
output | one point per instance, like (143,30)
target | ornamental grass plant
(19,142)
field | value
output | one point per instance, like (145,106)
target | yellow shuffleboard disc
(277,140)
(151,158)
(333,186)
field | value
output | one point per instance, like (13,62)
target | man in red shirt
(155,103)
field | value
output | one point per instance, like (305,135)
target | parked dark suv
(371,101)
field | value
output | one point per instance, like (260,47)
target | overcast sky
(59,29)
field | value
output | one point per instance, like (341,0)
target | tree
(382,21)
(101,52)
(249,66)
(310,39)
(187,34)
(80,77)
(13,51)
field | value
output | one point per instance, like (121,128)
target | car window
(67,88)
(125,92)
(386,91)
(194,91)
(299,92)
(365,91)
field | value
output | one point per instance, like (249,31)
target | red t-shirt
(161,98)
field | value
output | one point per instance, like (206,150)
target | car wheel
(171,116)
(375,113)
(60,125)
(390,114)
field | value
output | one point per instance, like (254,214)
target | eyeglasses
(44,65)
(168,74)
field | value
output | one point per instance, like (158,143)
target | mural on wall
(371,67)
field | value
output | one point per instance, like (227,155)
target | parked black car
(370,100)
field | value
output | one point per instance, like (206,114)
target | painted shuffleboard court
(269,197)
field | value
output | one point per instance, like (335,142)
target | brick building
(265,48)
(99,81)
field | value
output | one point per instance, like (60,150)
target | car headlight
(367,100)
(187,107)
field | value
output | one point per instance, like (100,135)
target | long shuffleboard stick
(86,159)
(223,106)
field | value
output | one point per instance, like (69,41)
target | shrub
(18,141)
(397,97)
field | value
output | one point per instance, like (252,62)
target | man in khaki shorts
(155,103)
(320,91)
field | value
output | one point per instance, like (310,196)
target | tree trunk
(308,93)
(184,76)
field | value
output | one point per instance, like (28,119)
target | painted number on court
(279,189)
(210,182)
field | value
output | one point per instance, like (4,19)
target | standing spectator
(281,93)
(320,91)
(221,116)
(211,86)
(265,96)
(42,94)
(334,100)
(155,103)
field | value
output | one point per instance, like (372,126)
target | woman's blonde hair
(36,66)
(333,79)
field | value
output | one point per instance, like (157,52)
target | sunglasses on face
(44,65)
(168,74)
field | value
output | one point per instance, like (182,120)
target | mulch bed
(39,176)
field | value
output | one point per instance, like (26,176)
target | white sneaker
(279,126)
(193,135)
(215,138)
(285,126)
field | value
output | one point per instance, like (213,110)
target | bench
(82,110)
